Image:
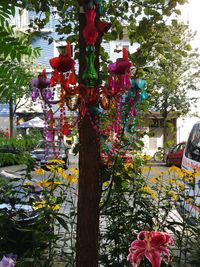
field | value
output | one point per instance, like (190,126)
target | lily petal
(138,244)
(154,257)
(136,257)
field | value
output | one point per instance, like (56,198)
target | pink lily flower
(152,245)
(7,262)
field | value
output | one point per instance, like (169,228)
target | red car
(174,156)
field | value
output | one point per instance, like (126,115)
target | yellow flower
(60,170)
(58,161)
(174,169)
(172,195)
(128,165)
(52,168)
(74,170)
(146,157)
(181,186)
(70,178)
(39,171)
(189,200)
(196,174)
(55,207)
(181,174)
(154,180)
(190,179)
(106,184)
(47,183)
(39,204)
(171,181)
(186,172)
(146,168)
(28,184)
(149,191)
(43,204)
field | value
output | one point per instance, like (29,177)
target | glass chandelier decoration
(121,94)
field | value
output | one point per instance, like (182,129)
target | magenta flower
(152,245)
(6,262)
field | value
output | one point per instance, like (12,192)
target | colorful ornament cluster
(89,97)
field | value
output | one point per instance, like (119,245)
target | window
(126,46)
(62,49)
(156,123)
(153,143)
(193,146)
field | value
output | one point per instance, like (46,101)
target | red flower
(152,245)
(90,32)
(63,63)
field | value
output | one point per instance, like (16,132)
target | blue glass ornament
(144,95)
(138,84)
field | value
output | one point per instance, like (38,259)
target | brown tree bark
(11,117)
(87,241)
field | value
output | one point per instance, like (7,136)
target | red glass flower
(90,32)
(103,27)
(63,63)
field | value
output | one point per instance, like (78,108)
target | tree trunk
(11,118)
(88,198)
(165,139)
(87,241)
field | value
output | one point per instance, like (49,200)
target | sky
(191,13)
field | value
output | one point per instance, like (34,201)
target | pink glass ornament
(127,82)
(133,112)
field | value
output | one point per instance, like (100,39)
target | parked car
(175,155)
(57,149)
(191,163)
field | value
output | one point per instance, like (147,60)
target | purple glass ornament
(35,94)
(34,82)
(40,82)
(48,94)
(43,82)
(50,115)
(49,136)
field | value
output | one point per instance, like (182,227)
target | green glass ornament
(90,76)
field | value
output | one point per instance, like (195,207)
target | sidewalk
(14,168)
(156,163)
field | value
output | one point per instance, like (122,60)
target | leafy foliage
(175,72)
(15,50)
(125,213)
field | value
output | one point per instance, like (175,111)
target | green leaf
(62,221)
